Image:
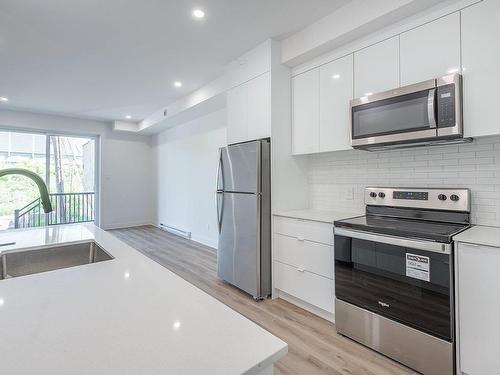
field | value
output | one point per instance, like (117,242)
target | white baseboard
(305,305)
(204,241)
(199,239)
(127,225)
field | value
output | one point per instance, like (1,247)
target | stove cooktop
(408,228)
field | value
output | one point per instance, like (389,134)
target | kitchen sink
(27,262)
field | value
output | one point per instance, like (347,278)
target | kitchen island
(127,315)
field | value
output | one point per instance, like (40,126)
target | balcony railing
(67,208)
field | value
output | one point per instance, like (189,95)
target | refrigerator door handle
(219,212)
(219,172)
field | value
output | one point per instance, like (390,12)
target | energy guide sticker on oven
(418,267)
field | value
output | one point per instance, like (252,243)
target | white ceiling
(104,59)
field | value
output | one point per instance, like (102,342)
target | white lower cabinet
(305,285)
(304,263)
(478,309)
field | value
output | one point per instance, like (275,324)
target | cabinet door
(376,68)
(481,73)
(237,116)
(250,65)
(335,92)
(431,50)
(306,112)
(259,107)
(478,309)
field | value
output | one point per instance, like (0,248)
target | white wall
(187,158)
(127,178)
(475,166)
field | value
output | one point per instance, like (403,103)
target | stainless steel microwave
(420,114)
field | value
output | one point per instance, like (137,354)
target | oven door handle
(435,247)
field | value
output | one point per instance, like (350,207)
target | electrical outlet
(349,194)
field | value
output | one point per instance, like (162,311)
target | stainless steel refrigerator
(244,217)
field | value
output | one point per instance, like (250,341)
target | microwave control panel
(446,106)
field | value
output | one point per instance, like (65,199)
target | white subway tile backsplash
(475,166)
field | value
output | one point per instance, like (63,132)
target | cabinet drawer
(311,256)
(304,229)
(307,286)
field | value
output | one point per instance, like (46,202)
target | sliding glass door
(71,179)
(68,166)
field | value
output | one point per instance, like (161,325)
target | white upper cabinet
(376,68)
(250,65)
(431,50)
(249,110)
(248,105)
(305,112)
(237,114)
(481,69)
(335,92)
(259,107)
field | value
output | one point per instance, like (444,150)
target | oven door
(396,116)
(409,281)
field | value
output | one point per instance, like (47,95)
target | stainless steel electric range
(394,274)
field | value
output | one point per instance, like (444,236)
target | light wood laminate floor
(314,346)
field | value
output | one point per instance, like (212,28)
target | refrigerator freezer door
(238,258)
(240,168)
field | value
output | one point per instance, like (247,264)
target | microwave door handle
(431,112)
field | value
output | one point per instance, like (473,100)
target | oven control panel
(416,195)
(432,198)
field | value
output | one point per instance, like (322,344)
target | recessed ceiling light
(3,99)
(128,117)
(198,13)
(336,76)
(178,84)
(368,93)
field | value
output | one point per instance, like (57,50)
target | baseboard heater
(176,231)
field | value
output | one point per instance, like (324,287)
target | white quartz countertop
(124,316)
(318,215)
(480,235)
